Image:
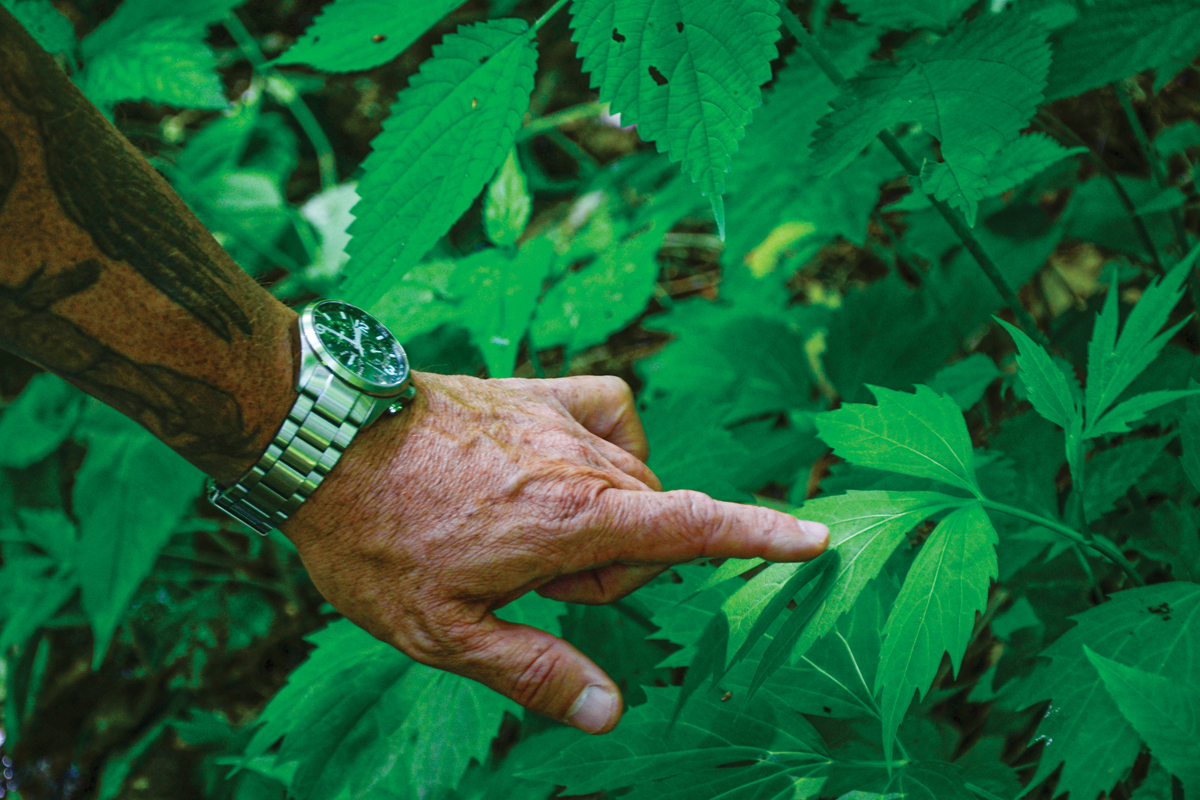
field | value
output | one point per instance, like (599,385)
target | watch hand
(335,332)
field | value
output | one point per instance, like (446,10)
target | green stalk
(1156,169)
(304,116)
(538,370)
(559,118)
(952,217)
(1101,545)
(1052,125)
(544,18)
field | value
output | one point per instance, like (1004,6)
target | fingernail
(815,531)
(592,710)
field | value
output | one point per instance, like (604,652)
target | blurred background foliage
(143,633)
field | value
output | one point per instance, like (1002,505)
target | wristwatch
(352,370)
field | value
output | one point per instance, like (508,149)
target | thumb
(542,673)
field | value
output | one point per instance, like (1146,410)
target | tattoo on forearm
(201,422)
(104,190)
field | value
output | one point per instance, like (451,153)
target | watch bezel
(309,332)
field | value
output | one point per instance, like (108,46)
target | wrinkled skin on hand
(483,490)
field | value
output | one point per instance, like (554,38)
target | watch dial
(360,343)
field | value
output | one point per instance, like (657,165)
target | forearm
(108,280)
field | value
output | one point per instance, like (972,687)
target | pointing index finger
(683,525)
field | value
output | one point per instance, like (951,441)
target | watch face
(360,343)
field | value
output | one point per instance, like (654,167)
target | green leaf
(1126,415)
(45,23)
(690,449)
(506,207)
(688,74)
(935,612)
(1050,391)
(836,676)
(1165,713)
(345,36)
(35,588)
(909,14)
(163,60)
(1113,363)
(40,419)
(446,135)
(129,495)
(498,291)
(965,381)
(1112,472)
(921,434)
(974,91)
(1022,158)
(588,305)
(768,745)
(1115,39)
(1153,628)
(865,528)
(1180,137)
(360,716)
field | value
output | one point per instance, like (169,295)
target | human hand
(483,490)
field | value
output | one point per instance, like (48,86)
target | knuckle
(700,521)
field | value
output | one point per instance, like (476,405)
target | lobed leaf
(1155,629)
(1052,394)
(935,611)
(1113,363)
(764,742)
(447,134)
(1112,472)
(1115,39)
(974,91)
(865,528)
(351,35)
(686,73)
(921,434)
(1165,713)
(361,716)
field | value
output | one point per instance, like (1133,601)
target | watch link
(352,370)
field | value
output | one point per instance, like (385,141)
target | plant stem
(1101,545)
(1160,180)
(538,370)
(544,18)
(1051,124)
(562,117)
(1156,170)
(952,217)
(326,164)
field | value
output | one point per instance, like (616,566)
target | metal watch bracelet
(321,424)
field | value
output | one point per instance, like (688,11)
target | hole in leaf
(658,77)
(617,37)
(679,27)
